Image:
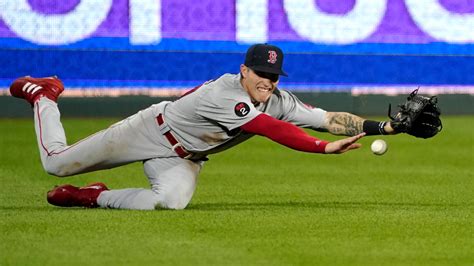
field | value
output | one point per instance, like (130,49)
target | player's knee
(57,170)
(173,202)
(173,206)
(57,173)
(175,188)
(174,199)
(53,170)
(176,205)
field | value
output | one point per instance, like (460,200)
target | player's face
(258,85)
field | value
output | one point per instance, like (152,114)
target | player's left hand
(343,145)
(419,116)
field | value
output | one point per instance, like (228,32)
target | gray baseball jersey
(207,120)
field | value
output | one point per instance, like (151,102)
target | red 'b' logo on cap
(272,57)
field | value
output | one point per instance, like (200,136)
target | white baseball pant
(136,138)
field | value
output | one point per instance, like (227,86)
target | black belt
(175,145)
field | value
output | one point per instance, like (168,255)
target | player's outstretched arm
(343,145)
(293,137)
(346,124)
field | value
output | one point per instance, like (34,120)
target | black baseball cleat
(31,89)
(71,196)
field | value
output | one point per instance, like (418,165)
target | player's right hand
(343,145)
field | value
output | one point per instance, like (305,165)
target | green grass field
(256,204)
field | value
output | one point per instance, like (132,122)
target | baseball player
(173,139)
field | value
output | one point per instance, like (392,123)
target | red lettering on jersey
(272,57)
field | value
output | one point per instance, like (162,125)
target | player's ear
(244,70)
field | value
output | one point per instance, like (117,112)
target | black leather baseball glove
(419,116)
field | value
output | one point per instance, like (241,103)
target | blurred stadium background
(352,55)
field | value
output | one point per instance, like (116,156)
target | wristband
(374,128)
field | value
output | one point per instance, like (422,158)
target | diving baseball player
(173,139)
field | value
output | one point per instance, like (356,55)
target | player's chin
(264,99)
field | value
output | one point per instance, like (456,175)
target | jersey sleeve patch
(241,109)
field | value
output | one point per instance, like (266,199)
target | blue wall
(385,64)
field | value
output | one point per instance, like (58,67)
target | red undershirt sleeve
(284,133)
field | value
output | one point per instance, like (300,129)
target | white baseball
(379,147)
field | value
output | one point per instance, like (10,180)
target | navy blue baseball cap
(265,58)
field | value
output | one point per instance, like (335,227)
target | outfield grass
(257,204)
